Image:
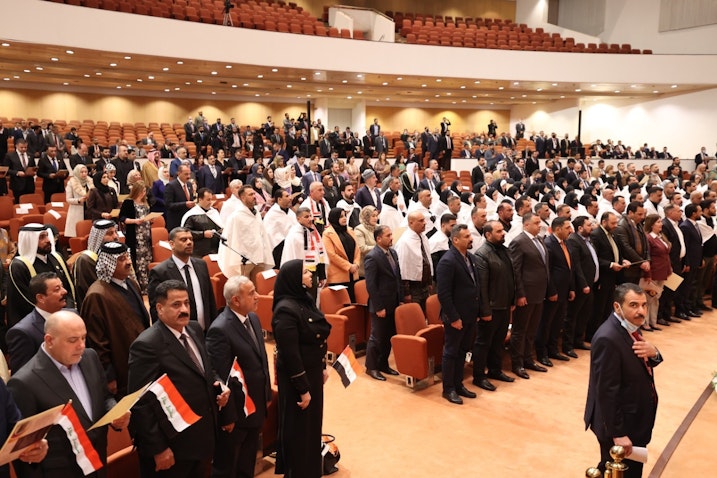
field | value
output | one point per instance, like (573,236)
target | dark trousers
(456,344)
(181,468)
(579,312)
(551,322)
(604,296)
(419,292)
(684,296)
(522,336)
(488,347)
(666,302)
(635,467)
(235,453)
(704,281)
(379,342)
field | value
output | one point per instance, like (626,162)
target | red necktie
(186,192)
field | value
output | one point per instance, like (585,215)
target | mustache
(183,315)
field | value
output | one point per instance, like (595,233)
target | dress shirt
(190,342)
(681,238)
(589,243)
(195,287)
(76,381)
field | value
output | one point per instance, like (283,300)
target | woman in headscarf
(300,331)
(102,199)
(457,187)
(364,233)
(268,181)
(409,181)
(464,215)
(76,192)
(353,171)
(263,200)
(158,189)
(282,179)
(390,215)
(113,182)
(344,255)
(480,188)
(257,170)
(365,164)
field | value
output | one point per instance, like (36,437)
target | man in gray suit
(531,271)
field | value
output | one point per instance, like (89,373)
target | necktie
(595,259)
(251,333)
(426,275)
(615,251)
(470,267)
(214,171)
(564,247)
(23,157)
(191,353)
(638,240)
(190,292)
(391,262)
(186,191)
(540,248)
(638,338)
(54,164)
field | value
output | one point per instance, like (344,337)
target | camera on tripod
(228,5)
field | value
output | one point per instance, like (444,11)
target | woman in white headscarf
(158,189)
(282,179)
(76,192)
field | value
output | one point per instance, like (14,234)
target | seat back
(409,319)
(264,312)
(218,281)
(361,292)
(83,227)
(333,300)
(264,286)
(433,309)
(213,266)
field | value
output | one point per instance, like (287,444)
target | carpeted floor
(526,428)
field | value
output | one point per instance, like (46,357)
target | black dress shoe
(694,313)
(582,346)
(645,329)
(663,322)
(560,357)
(676,318)
(571,353)
(705,307)
(545,361)
(534,366)
(375,374)
(464,392)
(485,384)
(453,397)
(389,371)
(654,327)
(520,372)
(501,376)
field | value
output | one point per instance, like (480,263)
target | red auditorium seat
(345,33)
(358,35)
(334,32)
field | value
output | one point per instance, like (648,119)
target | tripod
(227,20)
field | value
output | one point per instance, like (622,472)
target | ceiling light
(166,90)
(54,59)
(501,88)
(593,85)
(448,94)
(86,75)
(214,73)
(38,68)
(474,97)
(359,92)
(463,101)
(344,81)
(437,96)
(539,89)
(235,86)
(578,90)
(6,79)
(533,102)
(128,86)
(349,97)
(166,68)
(492,103)
(200,81)
(331,89)
(359,75)
(176,89)
(113,64)
(260,76)
(128,58)
(28,71)
(438,80)
(524,96)
(214,92)
(463,87)
(99,73)
(256,94)
(65,83)
(319,91)
(119,87)
(139,80)
(426,100)
(274,70)
(633,86)
(555,84)
(303,78)
(385,83)
(400,78)
(673,86)
(477,82)
(180,62)
(245,84)
(562,97)
(5,44)
(187,83)
(423,86)
(512,97)
(318,73)
(516,83)
(388,99)
(150,77)
(617,91)
(288,86)
(453,102)
(308,96)
(228,67)
(655,91)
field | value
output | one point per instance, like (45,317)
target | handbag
(330,454)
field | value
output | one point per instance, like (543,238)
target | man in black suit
(459,294)
(622,400)
(178,197)
(586,277)
(692,262)
(531,266)
(81,157)
(25,337)
(445,145)
(61,370)
(47,169)
(633,242)
(35,142)
(519,129)
(325,147)
(478,173)
(18,161)
(237,333)
(498,291)
(174,345)
(671,230)
(191,271)
(610,263)
(383,282)
(562,281)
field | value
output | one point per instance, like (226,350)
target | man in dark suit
(562,280)
(622,400)
(210,176)
(369,195)
(432,144)
(383,282)
(519,129)
(671,230)
(498,291)
(25,337)
(191,271)
(189,129)
(325,147)
(174,345)
(633,242)
(61,370)
(429,180)
(237,333)
(459,294)
(18,161)
(81,157)
(531,266)
(178,197)
(693,261)
(478,173)
(47,169)
(368,147)
(381,144)
(586,277)
(610,264)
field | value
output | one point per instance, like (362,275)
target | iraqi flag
(236,372)
(85,454)
(173,405)
(346,366)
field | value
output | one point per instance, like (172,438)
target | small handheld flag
(236,372)
(178,412)
(346,366)
(85,454)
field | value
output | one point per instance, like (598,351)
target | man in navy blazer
(210,176)
(693,261)
(178,197)
(622,399)
(563,265)
(459,294)
(383,283)
(237,333)
(25,337)
(369,195)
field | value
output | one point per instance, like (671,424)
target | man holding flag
(174,428)
(236,348)
(64,369)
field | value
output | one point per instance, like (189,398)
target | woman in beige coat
(343,252)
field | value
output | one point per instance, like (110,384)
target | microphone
(221,238)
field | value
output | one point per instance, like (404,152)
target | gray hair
(233,285)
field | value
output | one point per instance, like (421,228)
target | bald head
(65,335)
